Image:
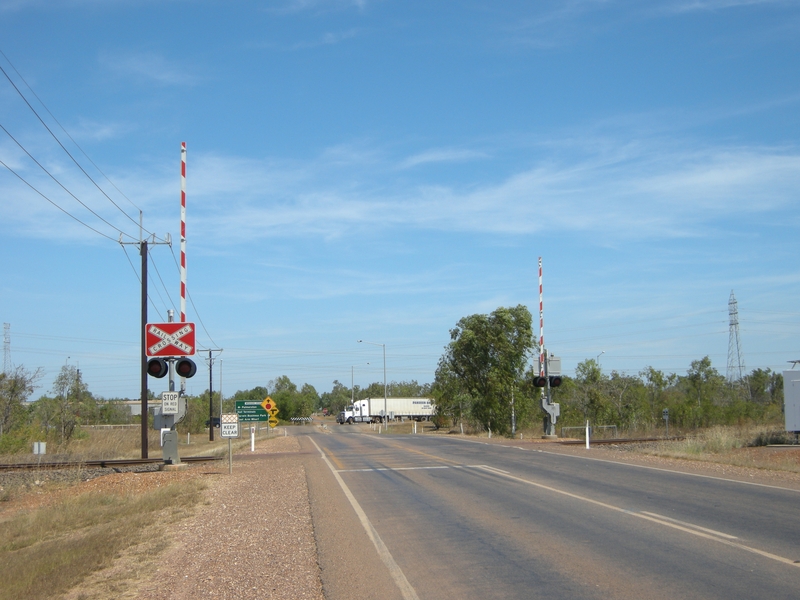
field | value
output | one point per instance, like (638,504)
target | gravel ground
(253,539)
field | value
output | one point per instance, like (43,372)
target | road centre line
(692,529)
(391,469)
(395,571)
(685,524)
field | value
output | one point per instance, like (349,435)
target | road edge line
(383,552)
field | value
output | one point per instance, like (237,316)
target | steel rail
(103,463)
(619,440)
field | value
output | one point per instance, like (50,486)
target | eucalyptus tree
(488,354)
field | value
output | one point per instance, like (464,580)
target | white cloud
(149,66)
(633,193)
(610,191)
(439,155)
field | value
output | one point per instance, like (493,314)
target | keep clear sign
(229,426)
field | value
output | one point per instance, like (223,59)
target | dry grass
(120,443)
(49,550)
(739,446)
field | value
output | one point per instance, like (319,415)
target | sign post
(665,415)
(229,428)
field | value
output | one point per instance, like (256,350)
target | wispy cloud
(326,39)
(611,191)
(440,155)
(149,66)
(630,193)
(684,6)
(296,6)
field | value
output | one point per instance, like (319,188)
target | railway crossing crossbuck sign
(170,339)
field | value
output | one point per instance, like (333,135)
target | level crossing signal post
(168,347)
(551,379)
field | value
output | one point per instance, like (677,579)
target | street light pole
(385,404)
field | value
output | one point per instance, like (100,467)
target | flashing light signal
(185,367)
(157,367)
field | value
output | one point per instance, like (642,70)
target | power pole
(143,244)
(211,394)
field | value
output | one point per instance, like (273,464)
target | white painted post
(188,438)
(252,439)
(587,434)
(415,427)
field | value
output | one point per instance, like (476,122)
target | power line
(64,148)
(22,179)
(63,187)
(166,290)
(66,132)
(203,325)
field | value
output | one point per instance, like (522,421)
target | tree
(71,404)
(488,354)
(765,386)
(452,400)
(337,399)
(15,388)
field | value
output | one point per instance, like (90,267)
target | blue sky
(378,169)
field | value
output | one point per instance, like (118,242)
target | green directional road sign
(251,410)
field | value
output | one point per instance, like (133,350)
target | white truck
(373,410)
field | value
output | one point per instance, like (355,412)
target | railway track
(619,440)
(123,462)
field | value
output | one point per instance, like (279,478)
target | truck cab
(346,416)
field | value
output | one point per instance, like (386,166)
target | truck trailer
(376,410)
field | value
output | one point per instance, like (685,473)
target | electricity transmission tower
(736,371)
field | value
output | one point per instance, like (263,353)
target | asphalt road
(441,517)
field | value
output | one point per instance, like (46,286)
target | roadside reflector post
(252,439)
(587,434)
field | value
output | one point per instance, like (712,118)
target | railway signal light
(540,381)
(555,381)
(157,367)
(185,367)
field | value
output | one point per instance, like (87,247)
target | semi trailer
(378,410)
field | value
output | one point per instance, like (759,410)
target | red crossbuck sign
(169,339)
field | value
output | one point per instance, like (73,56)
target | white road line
(391,469)
(647,517)
(625,464)
(692,525)
(394,569)
(614,462)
